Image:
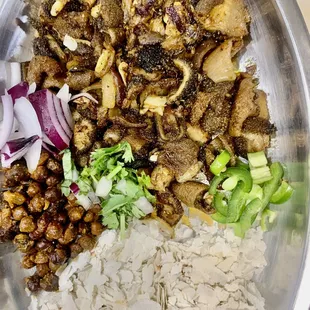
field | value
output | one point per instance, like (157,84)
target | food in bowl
(134,111)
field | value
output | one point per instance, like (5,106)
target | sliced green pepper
(220,218)
(220,162)
(219,204)
(236,203)
(242,175)
(283,194)
(267,214)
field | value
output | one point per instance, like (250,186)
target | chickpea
(96,209)
(19,213)
(33,283)
(43,158)
(14,198)
(54,231)
(96,228)
(42,269)
(83,228)
(87,242)
(75,249)
(41,258)
(72,200)
(27,224)
(6,223)
(54,166)
(43,221)
(27,262)
(61,217)
(89,216)
(34,189)
(44,245)
(76,213)
(15,175)
(35,235)
(23,242)
(69,234)
(58,257)
(49,282)
(36,204)
(40,174)
(53,194)
(53,267)
(53,180)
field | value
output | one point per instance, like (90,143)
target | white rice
(201,268)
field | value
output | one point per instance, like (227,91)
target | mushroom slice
(191,193)
(219,66)
(161,178)
(188,87)
(105,62)
(243,107)
(169,208)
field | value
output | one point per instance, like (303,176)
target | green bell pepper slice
(220,162)
(218,217)
(283,194)
(242,175)
(267,215)
(219,204)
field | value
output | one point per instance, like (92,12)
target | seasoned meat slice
(169,208)
(84,135)
(191,194)
(243,107)
(112,13)
(261,101)
(86,107)
(204,7)
(161,178)
(182,158)
(80,80)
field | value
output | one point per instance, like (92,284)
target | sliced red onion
(8,119)
(46,139)
(67,112)
(27,118)
(61,116)
(19,90)
(74,188)
(43,104)
(64,94)
(51,149)
(6,160)
(33,155)
(15,126)
(32,88)
(16,145)
(86,95)
(16,135)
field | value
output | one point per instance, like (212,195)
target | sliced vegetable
(220,218)
(242,163)
(261,175)
(64,93)
(14,146)
(32,157)
(230,183)
(61,117)
(19,90)
(220,162)
(257,159)
(104,187)
(283,194)
(269,216)
(7,121)
(86,95)
(6,160)
(43,104)
(220,204)
(236,203)
(256,192)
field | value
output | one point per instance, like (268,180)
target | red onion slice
(64,94)
(88,96)
(32,88)
(74,188)
(43,104)
(51,149)
(19,90)
(16,145)
(8,119)
(6,160)
(61,117)
(33,155)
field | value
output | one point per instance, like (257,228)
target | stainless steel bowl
(280,46)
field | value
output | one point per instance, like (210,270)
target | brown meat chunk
(261,101)
(190,193)
(112,13)
(161,178)
(86,107)
(204,7)
(181,157)
(243,107)
(80,80)
(169,208)
(84,135)
(16,174)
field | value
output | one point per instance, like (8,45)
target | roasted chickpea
(96,209)
(59,256)
(44,245)
(42,269)
(72,200)
(6,223)
(49,282)
(33,283)
(76,213)
(40,174)
(75,249)
(14,199)
(54,166)
(53,267)
(69,235)
(53,180)
(36,235)
(23,242)
(36,204)
(61,217)
(96,228)
(41,258)
(83,228)
(43,158)
(18,213)
(52,194)
(87,242)
(34,189)
(54,231)
(27,224)
(15,175)
(27,261)
(89,216)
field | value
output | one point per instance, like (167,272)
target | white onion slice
(87,95)
(64,94)
(70,43)
(144,205)
(103,187)
(8,119)
(32,88)
(33,155)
